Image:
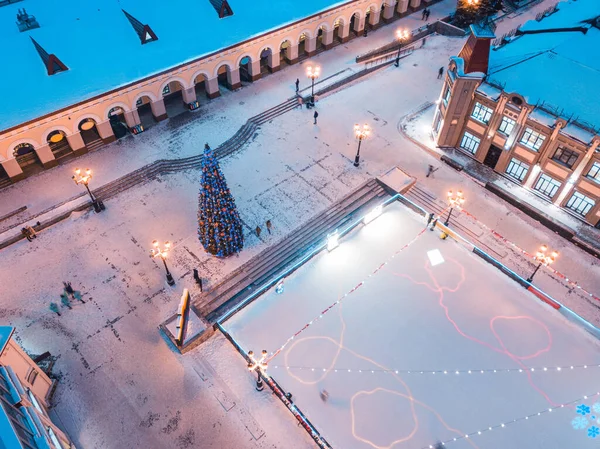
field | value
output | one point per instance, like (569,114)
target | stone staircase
(231,291)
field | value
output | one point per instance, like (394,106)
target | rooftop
(556,69)
(5,334)
(98,44)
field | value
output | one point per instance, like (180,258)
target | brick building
(24,401)
(527,106)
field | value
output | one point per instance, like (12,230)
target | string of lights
(573,284)
(513,421)
(542,369)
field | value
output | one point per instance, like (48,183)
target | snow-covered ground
(412,315)
(121,385)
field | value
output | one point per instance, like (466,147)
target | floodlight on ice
(376,212)
(333,241)
(435,257)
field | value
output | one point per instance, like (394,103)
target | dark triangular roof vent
(144,32)
(52,63)
(222,7)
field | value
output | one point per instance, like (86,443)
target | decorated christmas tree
(219,225)
(474,11)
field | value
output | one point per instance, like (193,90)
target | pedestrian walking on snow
(315,115)
(427,13)
(324,394)
(64,299)
(269,226)
(68,288)
(77,296)
(198,279)
(54,308)
(424,14)
(431,171)
(429,218)
(297,85)
(433,224)
(440,72)
(258,231)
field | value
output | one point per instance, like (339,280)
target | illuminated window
(517,169)
(506,126)
(580,203)
(547,185)
(594,172)
(532,139)
(470,143)
(482,113)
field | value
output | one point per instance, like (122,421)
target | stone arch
(284,40)
(174,96)
(115,114)
(338,27)
(306,32)
(356,20)
(201,87)
(322,34)
(170,80)
(325,26)
(61,146)
(197,73)
(269,59)
(245,66)
(90,135)
(28,160)
(218,67)
(303,41)
(245,55)
(227,75)
(287,50)
(148,94)
(11,147)
(119,104)
(82,117)
(50,130)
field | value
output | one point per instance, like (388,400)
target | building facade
(556,158)
(24,401)
(40,143)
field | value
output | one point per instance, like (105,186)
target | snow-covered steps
(233,291)
(261,269)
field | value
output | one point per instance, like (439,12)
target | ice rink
(417,314)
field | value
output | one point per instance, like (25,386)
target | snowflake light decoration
(588,419)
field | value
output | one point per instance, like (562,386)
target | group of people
(426,13)
(65,298)
(258,229)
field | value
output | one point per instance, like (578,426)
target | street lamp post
(454,201)
(401,35)
(544,259)
(157,251)
(313,73)
(260,366)
(360,133)
(85,179)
